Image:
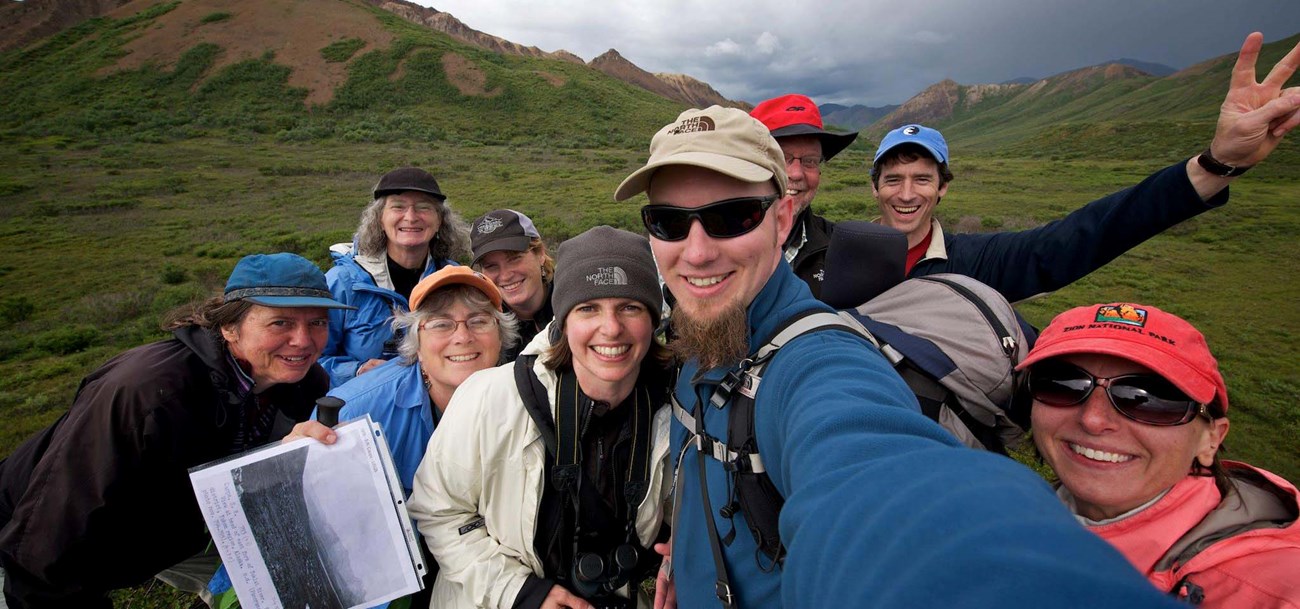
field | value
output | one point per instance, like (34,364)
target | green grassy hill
(401,92)
(1129,117)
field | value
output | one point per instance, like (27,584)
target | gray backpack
(956,342)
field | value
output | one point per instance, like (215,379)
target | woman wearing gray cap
(407,232)
(545,483)
(102,499)
(509,250)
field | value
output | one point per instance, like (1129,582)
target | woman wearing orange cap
(455,328)
(1129,409)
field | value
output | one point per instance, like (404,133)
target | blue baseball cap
(922,136)
(280,281)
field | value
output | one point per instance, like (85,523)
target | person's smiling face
(708,274)
(279,345)
(1109,462)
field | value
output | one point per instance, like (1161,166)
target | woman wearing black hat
(407,232)
(102,499)
(511,520)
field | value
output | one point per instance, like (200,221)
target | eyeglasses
(809,161)
(445,326)
(721,220)
(1145,398)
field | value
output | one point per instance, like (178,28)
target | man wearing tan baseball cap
(875,495)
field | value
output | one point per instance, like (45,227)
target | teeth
(463,358)
(1099,455)
(790,192)
(296,359)
(907,210)
(704,282)
(512,286)
(611,351)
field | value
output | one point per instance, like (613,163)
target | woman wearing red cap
(1129,409)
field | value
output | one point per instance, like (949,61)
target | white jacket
(488,460)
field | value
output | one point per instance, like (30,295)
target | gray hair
(407,323)
(450,242)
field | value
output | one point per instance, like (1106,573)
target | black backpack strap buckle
(723,592)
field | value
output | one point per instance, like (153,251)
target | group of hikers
(662,407)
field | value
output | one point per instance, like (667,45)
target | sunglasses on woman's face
(721,220)
(1145,398)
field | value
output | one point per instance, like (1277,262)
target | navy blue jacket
(1044,259)
(883,507)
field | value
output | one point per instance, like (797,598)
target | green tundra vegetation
(127,194)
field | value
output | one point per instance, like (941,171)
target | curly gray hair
(450,242)
(407,324)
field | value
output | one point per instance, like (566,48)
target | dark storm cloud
(875,52)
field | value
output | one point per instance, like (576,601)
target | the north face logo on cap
(694,124)
(795,109)
(608,275)
(489,224)
(1122,314)
(913,130)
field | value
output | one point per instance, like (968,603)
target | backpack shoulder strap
(535,402)
(755,495)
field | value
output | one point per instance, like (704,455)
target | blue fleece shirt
(358,336)
(394,396)
(883,508)
(1044,259)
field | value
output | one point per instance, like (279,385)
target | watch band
(1217,167)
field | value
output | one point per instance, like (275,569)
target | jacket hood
(1262,504)
(206,344)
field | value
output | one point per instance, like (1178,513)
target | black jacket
(102,499)
(810,263)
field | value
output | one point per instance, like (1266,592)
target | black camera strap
(562,436)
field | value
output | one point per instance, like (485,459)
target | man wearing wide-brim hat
(796,123)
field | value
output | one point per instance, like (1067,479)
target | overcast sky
(877,52)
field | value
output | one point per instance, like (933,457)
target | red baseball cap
(795,114)
(1161,341)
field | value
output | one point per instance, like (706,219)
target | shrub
(214,17)
(342,50)
(14,309)
(64,341)
(173,274)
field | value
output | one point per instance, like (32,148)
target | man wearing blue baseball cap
(910,174)
(102,499)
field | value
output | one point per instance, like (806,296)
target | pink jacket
(1255,564)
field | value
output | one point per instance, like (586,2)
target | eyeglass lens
(722,220)
(1146,398)
(478,324)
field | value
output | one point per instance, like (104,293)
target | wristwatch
(1217,167)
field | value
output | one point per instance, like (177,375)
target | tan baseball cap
(726,140)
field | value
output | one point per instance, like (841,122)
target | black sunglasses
(1145,398)
(721,220)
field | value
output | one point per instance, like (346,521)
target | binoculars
(596,577)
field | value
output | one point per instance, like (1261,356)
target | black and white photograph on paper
(302,524)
